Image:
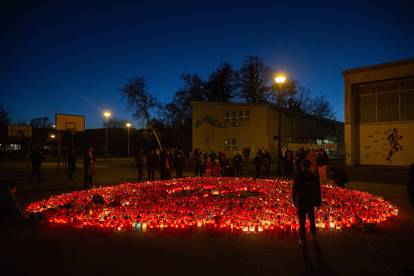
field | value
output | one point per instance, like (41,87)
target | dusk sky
(73,56)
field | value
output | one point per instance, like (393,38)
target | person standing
(289,164)
(216,168)
(258,163)
(36,160)
(198,162)
(312,157)
(179,164)
(152,161)
(237,161)
(410,186)
(140,161)
(267,161)
(306,195)
(323,161)
(71,163)
(89,167)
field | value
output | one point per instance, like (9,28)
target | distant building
(379,114)
(231,126)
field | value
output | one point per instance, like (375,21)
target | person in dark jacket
(306,195)
(89,167)
(9,208)
(71,164)
(339,176)
(179,164)
(36,160)
(258,163)
(410,186)
(152,163)
(237,161)
(140,161)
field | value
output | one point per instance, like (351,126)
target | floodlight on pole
(107,115)
(128,125)
(280,79)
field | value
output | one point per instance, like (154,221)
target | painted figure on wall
(393,138)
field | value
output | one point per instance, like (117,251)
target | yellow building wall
(389,144)
(209,137)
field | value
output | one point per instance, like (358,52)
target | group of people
(165,161)
(217,164)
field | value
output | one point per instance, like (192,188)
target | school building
(234,126)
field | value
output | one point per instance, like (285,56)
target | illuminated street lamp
(52,136)
(128,125)
(280,79)
(107,115)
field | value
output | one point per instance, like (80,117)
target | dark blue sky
(73,56)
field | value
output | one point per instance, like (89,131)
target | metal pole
(58,150)
(106,141)
(128,141)
(279,143)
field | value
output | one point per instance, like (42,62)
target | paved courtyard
(41,249)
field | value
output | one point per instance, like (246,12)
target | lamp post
(128,125)
(280,80)
(107,115)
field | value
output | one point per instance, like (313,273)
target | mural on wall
(388,141)
(212,121)
(393,137)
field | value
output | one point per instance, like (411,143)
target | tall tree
(177,114)
(292,96)
(116,123)
(4,116)
(254,80)
(141,102)
(41,122)
(222,84)
(320,107)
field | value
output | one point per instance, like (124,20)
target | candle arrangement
(216,203)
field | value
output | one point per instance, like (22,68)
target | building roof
(266,105)
(378,66)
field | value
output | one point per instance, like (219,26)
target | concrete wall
(387,144)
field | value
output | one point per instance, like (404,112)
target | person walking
(71,163)
(89,167)
(140,161)
(306,195)
(323,160)
(36,160)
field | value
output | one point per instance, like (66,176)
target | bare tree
(222,84)
(320,107)
(141,102)
(4,116)
(41,122)
(254,80)
(116,123)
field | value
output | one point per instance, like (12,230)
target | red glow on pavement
(230,204)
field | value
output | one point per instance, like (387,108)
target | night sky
(72,57)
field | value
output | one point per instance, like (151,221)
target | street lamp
(128,125)
(107,115)
(280,80)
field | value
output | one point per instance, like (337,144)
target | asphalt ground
(39,249)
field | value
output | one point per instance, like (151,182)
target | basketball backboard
(20,131)
(70,122)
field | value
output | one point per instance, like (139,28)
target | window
(386,101)
(244,115)
(230,144)
(230,116)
